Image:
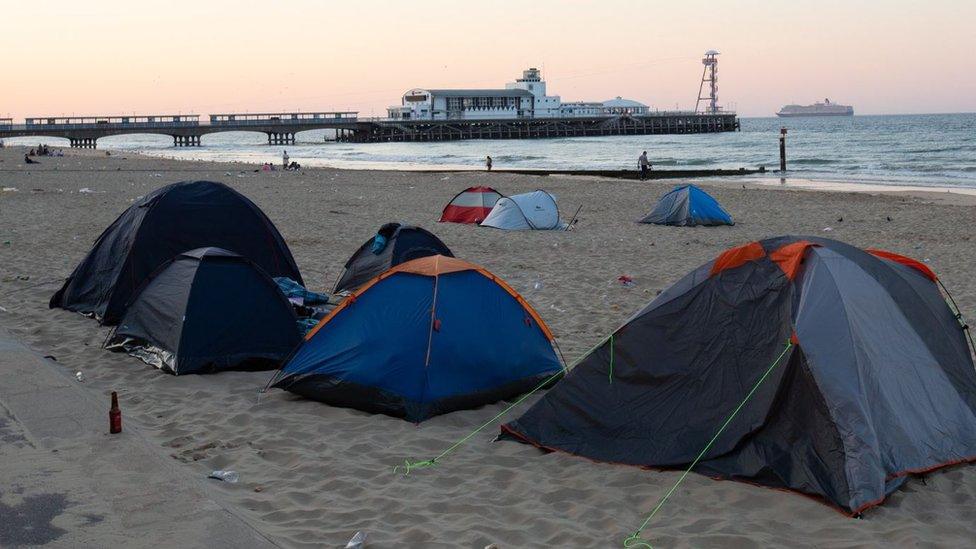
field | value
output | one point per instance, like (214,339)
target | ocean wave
(514,158)
(958,148)
(682,162)
(813,161)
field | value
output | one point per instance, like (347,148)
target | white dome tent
(536,210)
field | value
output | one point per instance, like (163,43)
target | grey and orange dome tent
(874,381)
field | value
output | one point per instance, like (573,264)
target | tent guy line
(635,539)
(408,465)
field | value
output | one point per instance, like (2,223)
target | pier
(281,128)
(185,129)
(537,128)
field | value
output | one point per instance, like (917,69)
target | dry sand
(312,475)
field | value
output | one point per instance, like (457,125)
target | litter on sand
(358,541)
(225,476)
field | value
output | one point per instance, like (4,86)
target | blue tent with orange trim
(429,336)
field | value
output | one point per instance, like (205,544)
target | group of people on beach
(41,150)
(286,164)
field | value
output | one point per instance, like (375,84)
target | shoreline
(947,194)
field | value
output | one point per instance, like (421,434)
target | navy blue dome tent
(392,245)
(861,371)
(166,222)
(208,310)
(688,206)
(427,337)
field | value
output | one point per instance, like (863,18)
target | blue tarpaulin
(295,291)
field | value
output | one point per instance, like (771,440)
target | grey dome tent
(393,243)
(688,206)
(851,371)
(536,210)
(166,222)
(208,310)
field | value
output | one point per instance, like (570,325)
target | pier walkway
(280,128)
(539,128)
(185,129)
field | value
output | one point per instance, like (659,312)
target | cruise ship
(817,109)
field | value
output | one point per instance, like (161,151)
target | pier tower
(710,77)
(543,106)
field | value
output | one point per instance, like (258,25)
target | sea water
(924,150)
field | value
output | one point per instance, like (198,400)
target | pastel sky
(207,56)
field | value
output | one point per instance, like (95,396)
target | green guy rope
(635,539)
(409,466)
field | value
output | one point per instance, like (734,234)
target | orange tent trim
(907,261)
(433,266)
(738,256)
(790,257)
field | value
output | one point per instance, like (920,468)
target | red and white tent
(470,205)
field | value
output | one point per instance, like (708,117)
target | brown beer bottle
(115,415)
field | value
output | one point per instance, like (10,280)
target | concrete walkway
(65,482)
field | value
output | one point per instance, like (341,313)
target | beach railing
(107,122)
(283,118)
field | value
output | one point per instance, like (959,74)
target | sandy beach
(312,475)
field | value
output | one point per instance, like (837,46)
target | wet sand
(312,475)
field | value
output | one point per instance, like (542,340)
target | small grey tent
(208,310)
(392,244)
(536,210)
(688,206)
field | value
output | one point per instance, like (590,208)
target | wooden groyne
(630,174)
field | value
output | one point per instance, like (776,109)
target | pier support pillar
(281,138)
(82,142)
(186,140)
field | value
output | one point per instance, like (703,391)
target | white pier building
(524,98)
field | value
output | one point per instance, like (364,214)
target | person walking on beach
(284,160)
(644,165)
(488,162)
